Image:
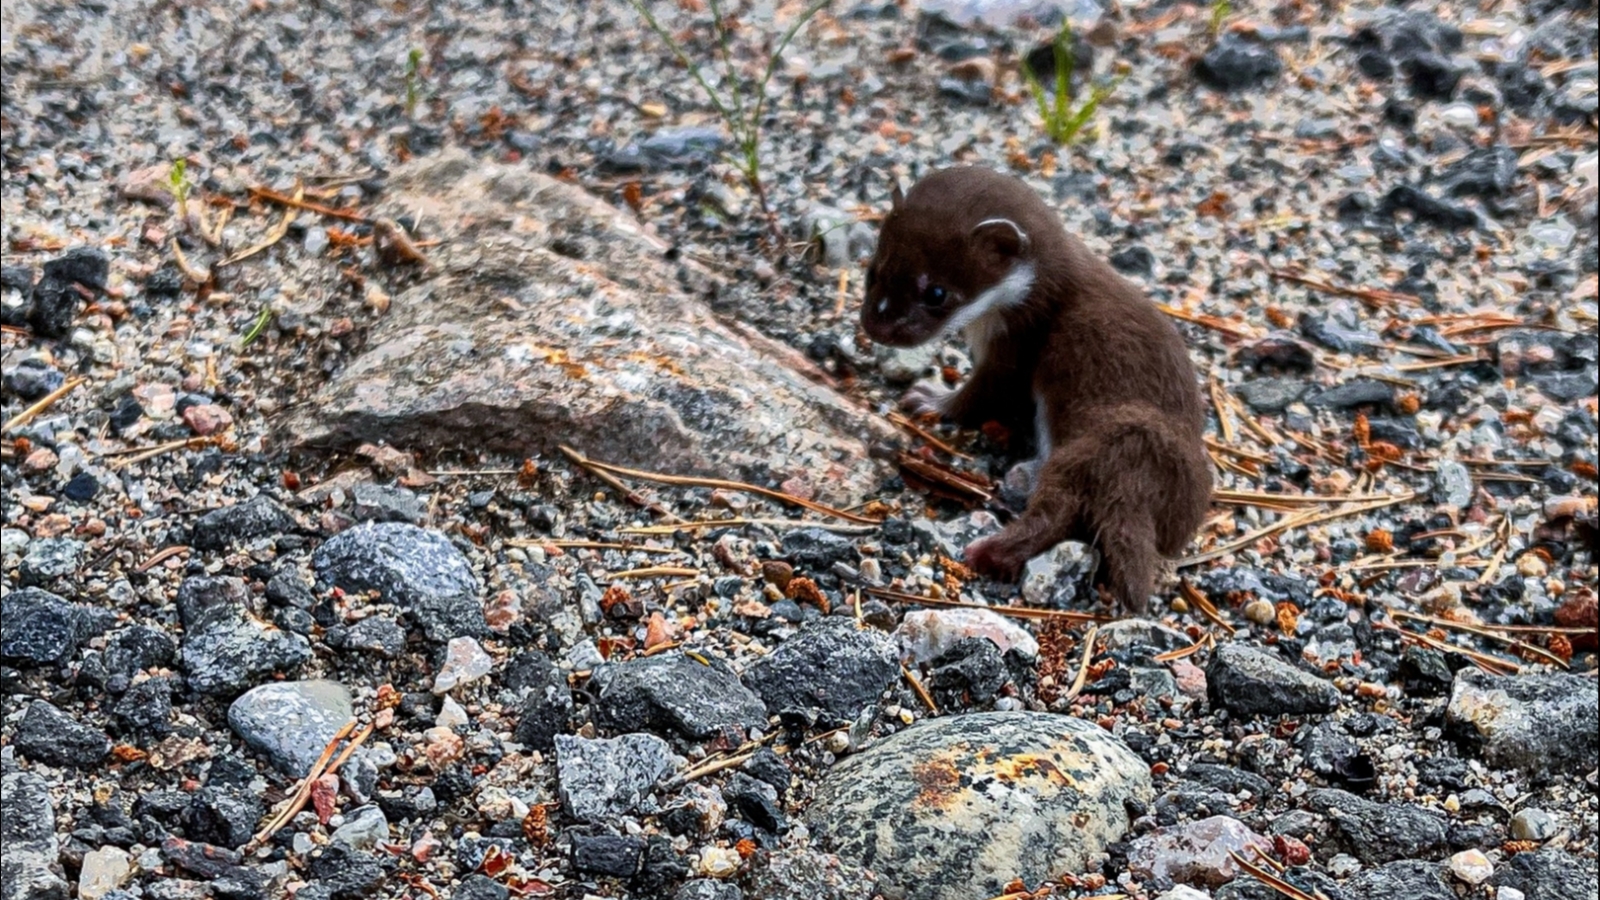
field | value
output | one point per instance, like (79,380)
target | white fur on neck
(982,320)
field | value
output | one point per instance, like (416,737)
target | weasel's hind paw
(927,398)
(995,557)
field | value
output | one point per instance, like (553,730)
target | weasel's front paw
(995,557)
(927,398)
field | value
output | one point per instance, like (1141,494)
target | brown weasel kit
(1060,339)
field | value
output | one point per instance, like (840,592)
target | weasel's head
(938,268)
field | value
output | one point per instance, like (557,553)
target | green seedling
(413,80)
(179,184)
(740,106)
(256,327)
(1064,118)
(1220,10)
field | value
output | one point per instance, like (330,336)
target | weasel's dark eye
(934,296)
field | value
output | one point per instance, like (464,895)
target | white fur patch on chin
(978,319)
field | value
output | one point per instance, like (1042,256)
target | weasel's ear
(1001,236)
(896,195)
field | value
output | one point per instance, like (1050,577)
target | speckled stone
(954,808)
(1544,725)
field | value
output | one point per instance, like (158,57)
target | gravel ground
(1376,225)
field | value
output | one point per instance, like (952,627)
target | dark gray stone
(1329,332)
(256,518)
(829,665)
(756,802)
(224,815)
(546,699)
(615,856)
(1228,780)
(29,867)
(40,628)
(348,874)
(380,635)
(1425,208)
(1236,65)
(145,711)
(1406,879)
(1424,672)
(128,652)
(224,647)
(48,735)
(480,887)
(674,694)
(1134,259)
(1351,394)
(816,550)
(1486,172)
(1250,682)
(1549,875)
(56,298)
(32,379)
(1271,395)
(1377,833)
(969,675)
(418,570)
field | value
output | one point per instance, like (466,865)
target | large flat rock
(550,317)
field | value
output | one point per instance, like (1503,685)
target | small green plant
(1220,10)
(179,184)
(256,327)
(1064,118)
(413,81)
(740,105)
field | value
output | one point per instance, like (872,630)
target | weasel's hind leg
(1054,514)
(1129,559)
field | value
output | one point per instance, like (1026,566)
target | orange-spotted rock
(955,808)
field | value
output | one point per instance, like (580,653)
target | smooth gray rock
(291,722)
(953,808)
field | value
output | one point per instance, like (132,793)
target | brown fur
(1127,471)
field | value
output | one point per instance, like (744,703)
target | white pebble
(1471,866)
